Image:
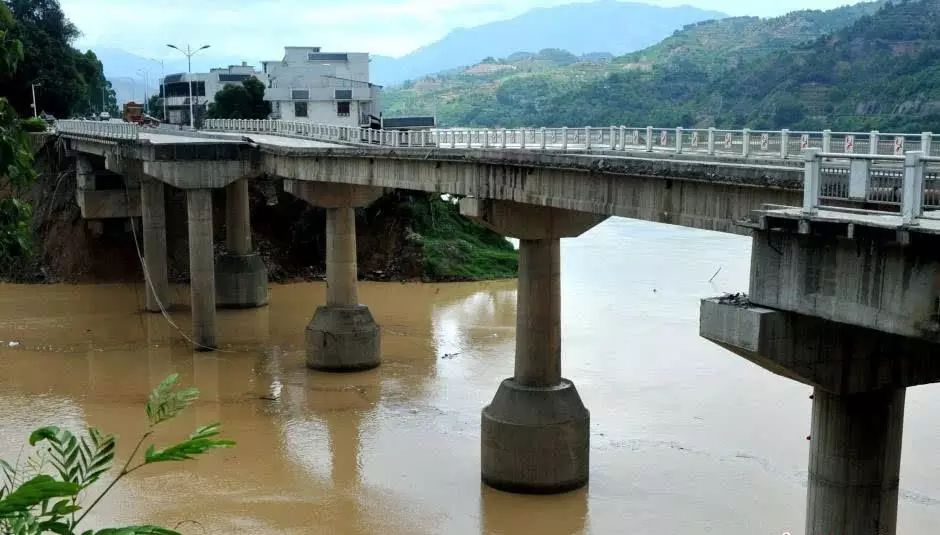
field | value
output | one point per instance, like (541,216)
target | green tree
(16,160)
(240,101)
(71,82)
(155,107)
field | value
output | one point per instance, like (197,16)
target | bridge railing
(113,131)
(909,184)
(746,143)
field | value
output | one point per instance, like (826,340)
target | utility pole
(189,53)
(146,74)
(162,86)
(35,110)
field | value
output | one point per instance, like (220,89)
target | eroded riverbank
(686,438)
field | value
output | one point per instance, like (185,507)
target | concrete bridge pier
(342,336)
(201,267)
(855,462)
(241,276)
(848,307)
(535,433)
(153,214)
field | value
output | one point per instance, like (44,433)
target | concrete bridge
(844,289)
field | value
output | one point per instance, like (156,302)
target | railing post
(912,194)
(711,141)
(649,139)
(613,138)
(745,142)
(522,141)
(623,138)
(564,138)
(469,139)
(925,139)
(827,141)
(811,171)
(678,140)
(587,137)
(873,142)
(543,141)
(502,144)
(784,143)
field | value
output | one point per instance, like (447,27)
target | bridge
(844,293)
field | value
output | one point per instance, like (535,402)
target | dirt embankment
(288,233)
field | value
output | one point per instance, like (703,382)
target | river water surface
(686,438)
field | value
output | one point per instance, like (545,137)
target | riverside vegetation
(45,493)
(869,66)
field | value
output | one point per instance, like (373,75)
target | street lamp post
(35,109)
(189,53)
(146,74)
(162,86)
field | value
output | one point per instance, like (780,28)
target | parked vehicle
(104,116)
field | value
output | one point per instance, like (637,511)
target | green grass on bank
(456,248)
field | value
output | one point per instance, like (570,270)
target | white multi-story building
(205,86)
(322,87)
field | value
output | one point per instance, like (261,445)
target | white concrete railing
(100,129)
(771,144)
(913,189)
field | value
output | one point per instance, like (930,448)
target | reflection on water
(685,437)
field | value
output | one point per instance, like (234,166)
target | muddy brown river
(686,438)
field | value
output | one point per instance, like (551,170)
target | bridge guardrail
(99,129)
(782,144)
(875,179)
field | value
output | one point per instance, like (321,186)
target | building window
(342,109)
(342,94)
(300,94)
(300,109)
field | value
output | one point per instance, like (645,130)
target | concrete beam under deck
(836,357)
(702,195)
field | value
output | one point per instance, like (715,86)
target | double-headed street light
(189,53)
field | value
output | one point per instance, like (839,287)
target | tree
(16,159)
(155,107)
(70,82)
(241,101)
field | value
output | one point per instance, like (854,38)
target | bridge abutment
(342,336)
(241,276)
(201,268)
(153,215)
(536,432)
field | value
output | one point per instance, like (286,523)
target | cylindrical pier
(341,269)
(241,276)
(343,335)
(201,267)
(153,214)
(237,219)
(535,433)
(538,314)
(855,462)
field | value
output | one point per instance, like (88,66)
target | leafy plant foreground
(46,493)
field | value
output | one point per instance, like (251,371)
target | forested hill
(859,67)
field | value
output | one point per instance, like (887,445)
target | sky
(259,29)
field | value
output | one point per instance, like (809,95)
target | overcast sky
(259,29)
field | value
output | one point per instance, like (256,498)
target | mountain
(607,26)
(696,77)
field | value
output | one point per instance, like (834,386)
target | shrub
(33,124)
(42,494)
